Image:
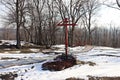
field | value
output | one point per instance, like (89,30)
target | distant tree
(39,18)
(90,8)
(6,34)
(29,25)
(50,21)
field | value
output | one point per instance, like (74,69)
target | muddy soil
(96,78)
(9,76)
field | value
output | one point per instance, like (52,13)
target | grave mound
(60,62)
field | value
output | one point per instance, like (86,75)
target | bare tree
(118,3)
(73,10)
(39,7)
(28,28)
(16,12)
(50,27)
(90,8)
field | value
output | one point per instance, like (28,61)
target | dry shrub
(91,63)
(88,62)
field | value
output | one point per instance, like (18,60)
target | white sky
(109,16)
(2,14)
(106,15)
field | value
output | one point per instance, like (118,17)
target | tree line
(36,21)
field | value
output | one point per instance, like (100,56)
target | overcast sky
(106,15)
(109,15)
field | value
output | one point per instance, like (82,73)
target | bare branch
(118,3)
(111,6)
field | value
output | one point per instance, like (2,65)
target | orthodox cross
(65,23)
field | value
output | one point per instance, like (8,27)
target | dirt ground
(97,78)
(104,78)
(9,76)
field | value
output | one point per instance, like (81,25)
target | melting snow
(107,64)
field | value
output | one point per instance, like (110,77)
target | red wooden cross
(66,23)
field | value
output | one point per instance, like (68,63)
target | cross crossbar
(67,25)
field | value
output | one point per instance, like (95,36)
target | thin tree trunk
(18,45)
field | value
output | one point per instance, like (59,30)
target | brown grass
(74,78)
(88,62)
(14,50)
(6,58)
(8,50)
(104,78)
(26,51)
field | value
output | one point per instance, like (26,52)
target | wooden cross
(66,23)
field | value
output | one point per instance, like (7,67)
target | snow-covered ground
(107,64)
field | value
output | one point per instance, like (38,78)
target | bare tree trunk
(18,26)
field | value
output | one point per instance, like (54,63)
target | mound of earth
(9,76)
(59,63)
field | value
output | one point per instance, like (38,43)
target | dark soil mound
(0,41)
(63,57)
(74,79)
(3,46)
(104,78)
(9,76)
(60,62)
(96,78)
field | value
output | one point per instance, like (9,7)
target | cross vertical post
(66,37)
